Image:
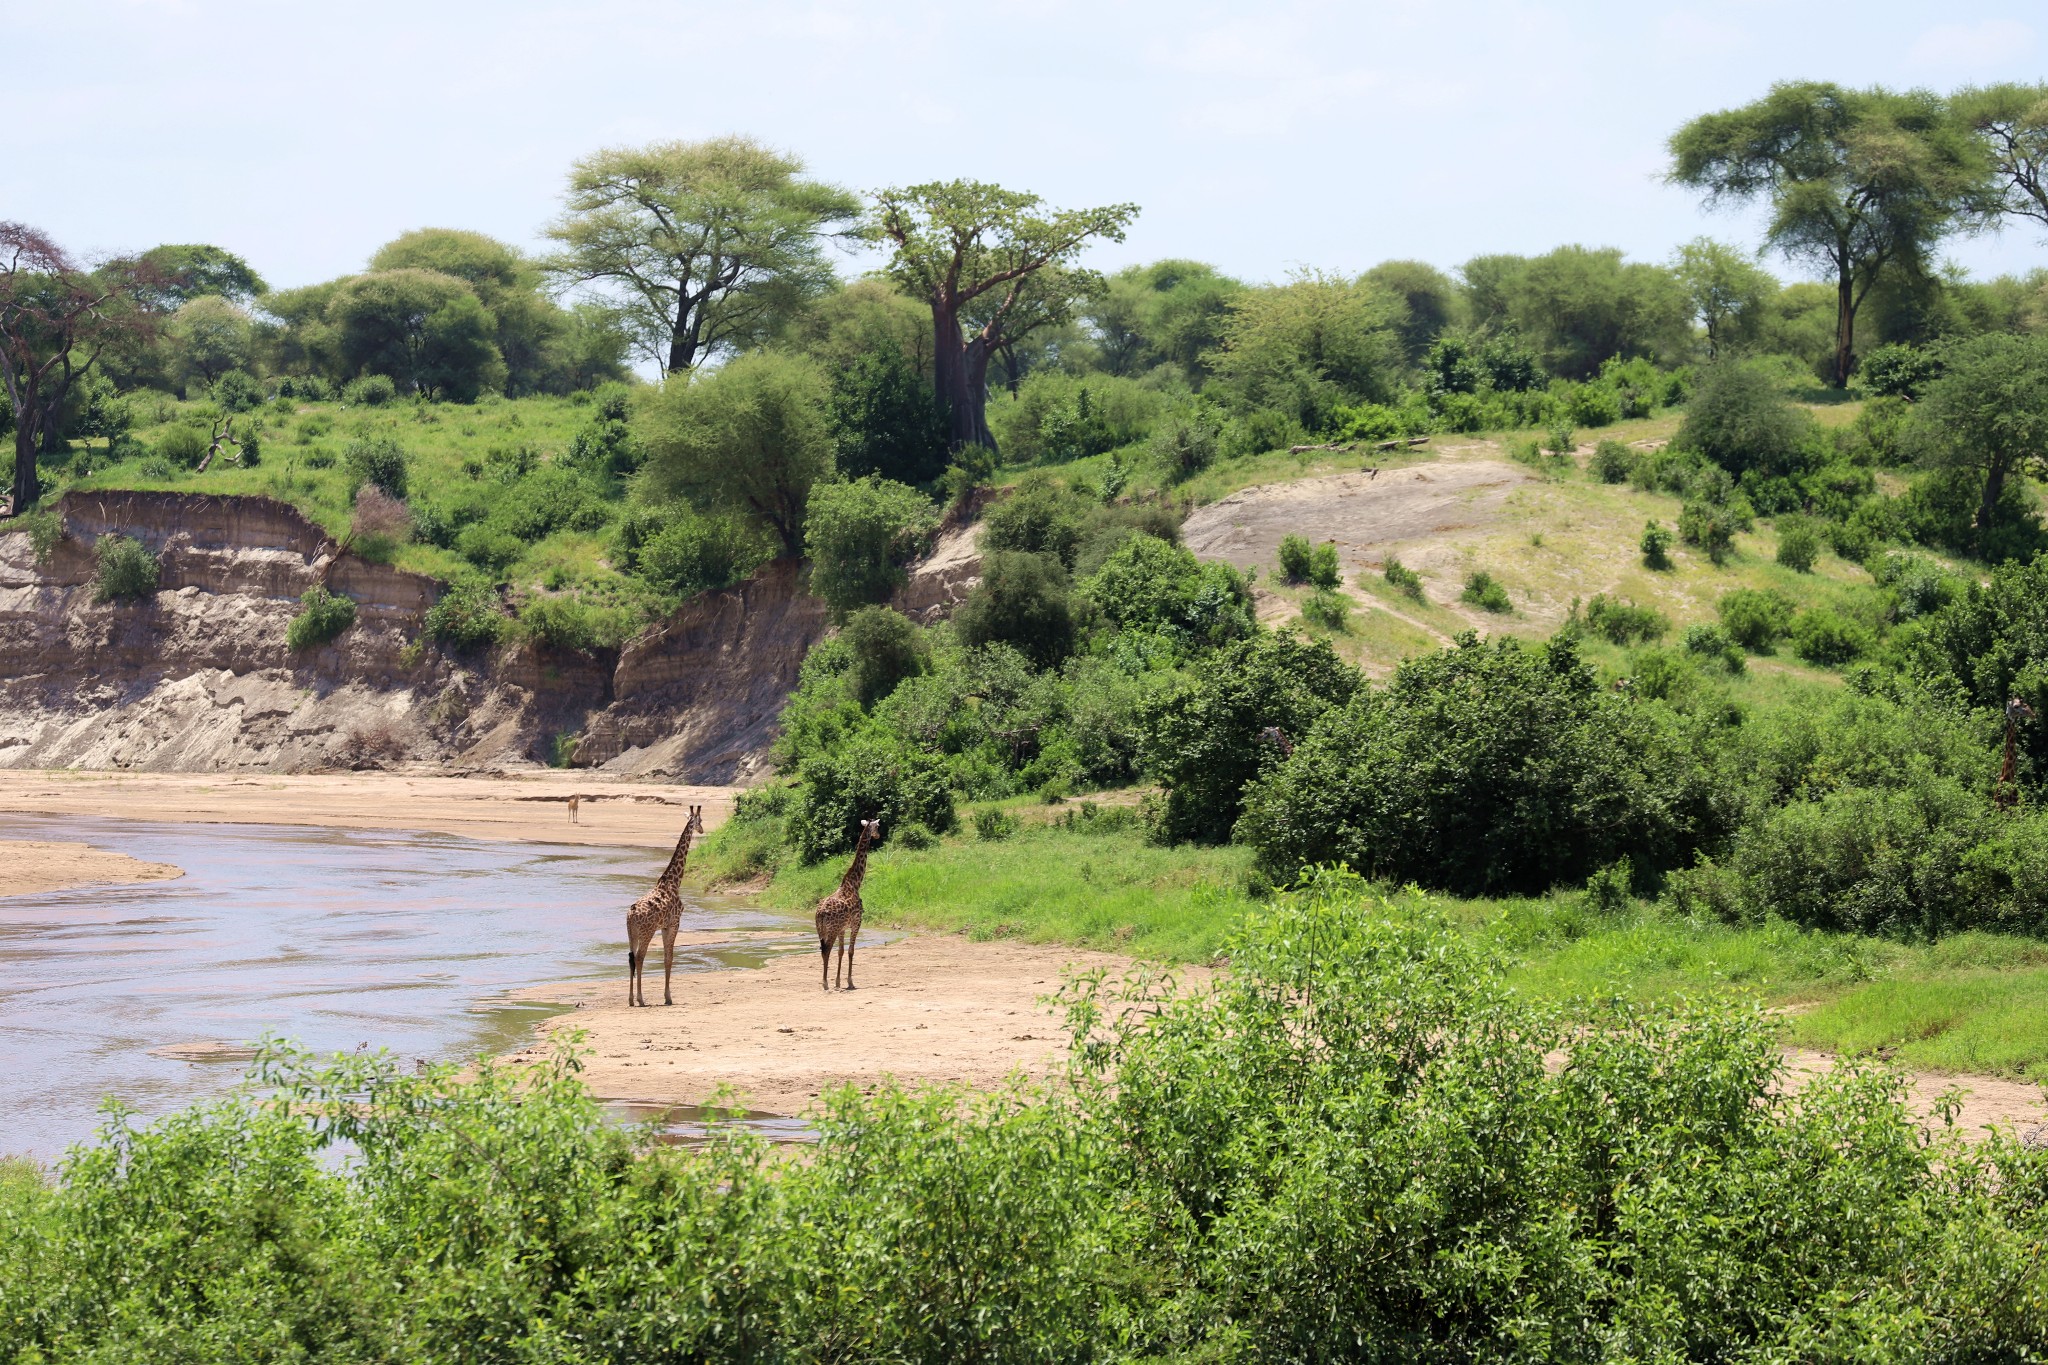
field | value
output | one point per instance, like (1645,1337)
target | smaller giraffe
(839,914)
(660,909)
(574,802)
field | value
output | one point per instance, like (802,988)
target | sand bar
(930,1008)
(525,807)
(32,866)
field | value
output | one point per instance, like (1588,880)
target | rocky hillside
(198,678)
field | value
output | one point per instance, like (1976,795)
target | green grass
(1092,887)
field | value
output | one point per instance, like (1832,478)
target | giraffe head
(2017,711)
(696,822)
(871,830)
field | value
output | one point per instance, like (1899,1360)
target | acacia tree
(1859,181)
(703,246)
(56,318)
(2011,123)
(1988,412)
(1727,291)
(961,240)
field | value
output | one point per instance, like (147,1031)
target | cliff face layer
(197,677)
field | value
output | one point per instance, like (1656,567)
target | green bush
(378,460)
(860,534)
(993,823)
(1185,446)
(689,553)
(1740,419)
(570,624)
(1148,584)
(1829,639)
(1535,778)
(467,616)
(1204,738)
(236,391)
(1713,642)
(1798,545)
(183,446)
(1039,518)
(1484,591)
(1625,623)
(887,649)
(870,776)
(1656,545)
(44,529)
(1295,555)
(125,568)
(1710,527)
(1330,610)
(1322,566)
(1612,462)
(1022,600)
(1756,618)
(1402,578)
(322,616)
(491,548)
(370,391)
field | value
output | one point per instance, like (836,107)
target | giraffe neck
(672,875)
(850,883)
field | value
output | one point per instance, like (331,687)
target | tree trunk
(955,380)
(27,488)
(1845,328)
(1994,489)
(977,391)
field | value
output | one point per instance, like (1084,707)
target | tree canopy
(703,247)
(1858,181)
(953,242)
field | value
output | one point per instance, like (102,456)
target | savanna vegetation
(1781,784)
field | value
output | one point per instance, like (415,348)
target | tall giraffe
(661,908)
(839,914)
(2006,790)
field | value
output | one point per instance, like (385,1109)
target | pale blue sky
(1257,137)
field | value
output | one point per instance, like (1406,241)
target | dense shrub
(1322,566)
(466,616)
(886,421)
(868,777)
(1022,600)
(1534,778)
(1039,518)
(1612,462)
(491,548)
(1205,738)
(887,649)
(236,391)
(1148,584)
(1484,591)
(1330,610)
(1740,419)
(1798,545)
(1656,545)
(377,460)
(569,623)
(370,391)
(1712,642)
(1295,553)
(1402,578)
(1756,618)
(689,553)
(322,616)
(1185,445)
(183,446)
(124,568)
(1824,637)
(1625,623)
(860,534)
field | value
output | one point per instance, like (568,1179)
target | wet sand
(527,807)
(31,867)
(930,1009)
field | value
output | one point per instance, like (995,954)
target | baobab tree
(960,240)
(56,317)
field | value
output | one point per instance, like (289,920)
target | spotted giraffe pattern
(659,910)
(838,916)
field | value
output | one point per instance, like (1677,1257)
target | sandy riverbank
(31,866)
(527,807)
(930,1008)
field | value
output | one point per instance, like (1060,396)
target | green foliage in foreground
(124,569)
(1348,1147)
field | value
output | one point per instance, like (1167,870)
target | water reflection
(333,938)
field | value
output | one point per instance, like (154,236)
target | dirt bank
(930,1008)
(31,866)
(529,806)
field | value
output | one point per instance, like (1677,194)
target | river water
(336,939)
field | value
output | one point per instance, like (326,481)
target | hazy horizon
(1298,135)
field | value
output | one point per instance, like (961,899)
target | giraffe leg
(668,962)
(852,937)
(636,958)
(824,962)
